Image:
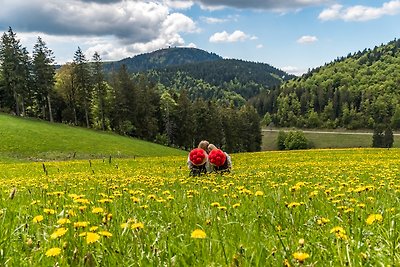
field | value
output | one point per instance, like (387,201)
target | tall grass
(303,208)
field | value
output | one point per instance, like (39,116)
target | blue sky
(293,35)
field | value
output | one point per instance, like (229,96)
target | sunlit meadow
(305,208)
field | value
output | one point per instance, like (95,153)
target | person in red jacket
(198,159)
(219,160)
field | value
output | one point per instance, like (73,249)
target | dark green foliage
(382,136)
(357,91)
(281,140)
(292,140)
(161,59)
(295,140)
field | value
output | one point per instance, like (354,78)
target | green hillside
(361,90)
(161,59)
(30,139)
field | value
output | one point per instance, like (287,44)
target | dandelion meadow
(302,208)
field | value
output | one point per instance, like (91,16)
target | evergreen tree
(43,76)
(15,71)
(185,122)
(83,82)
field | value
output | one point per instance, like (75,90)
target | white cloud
(224,37)
(260,5)
(178,4)
(259,46)
(294,70)
(359,12)
(210,20)
(307,39)
(192,45)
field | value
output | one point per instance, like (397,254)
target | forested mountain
(161,59)
(361,90)
(204,75)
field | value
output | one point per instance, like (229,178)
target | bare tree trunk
(50,111)
(16,103)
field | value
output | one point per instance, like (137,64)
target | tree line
(80,93)
(353,92)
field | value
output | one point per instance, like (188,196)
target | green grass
(35,140)
(272,206)
(326,140)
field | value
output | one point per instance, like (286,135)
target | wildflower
(215,204)
(97,210)
(223,208)
(259,193)
(286,263)
(93,228)
(293,204)
(92,237)
(136,226)
(49,211)
(105,233)
(322,221)
(301,256)
(82,201)
(135,199)
(198,233)
(58,233)
(53,252)
(81,224)
(82,208)
(236,205)
(37,219)
(105,200)
(339,232)
(374,218)
(63,221)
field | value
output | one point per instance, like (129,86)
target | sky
(292,35)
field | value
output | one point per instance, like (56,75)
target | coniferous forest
(86,93)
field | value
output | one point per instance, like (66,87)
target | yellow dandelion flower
(49,211)
(223,208)
(259,193)
(63,221)
(82,208)
(92,237)
(58,233)
(170,198)
(374,218)
(81,224)
(322,221)
(236,205)
(135,199)
(301,256)
(71,213)
(105,233)
(53,252)
(293,204)
(93,228)
(136,226)
(215,204)
(82,201)
(97,210)
(198,233)
(124,225)
(37,219)
(144,207)
(105,200)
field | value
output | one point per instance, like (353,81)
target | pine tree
(15,71)
(83,82)
(43,76)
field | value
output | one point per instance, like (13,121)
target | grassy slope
(326,140)
(29,139)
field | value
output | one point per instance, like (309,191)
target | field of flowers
(304,208)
